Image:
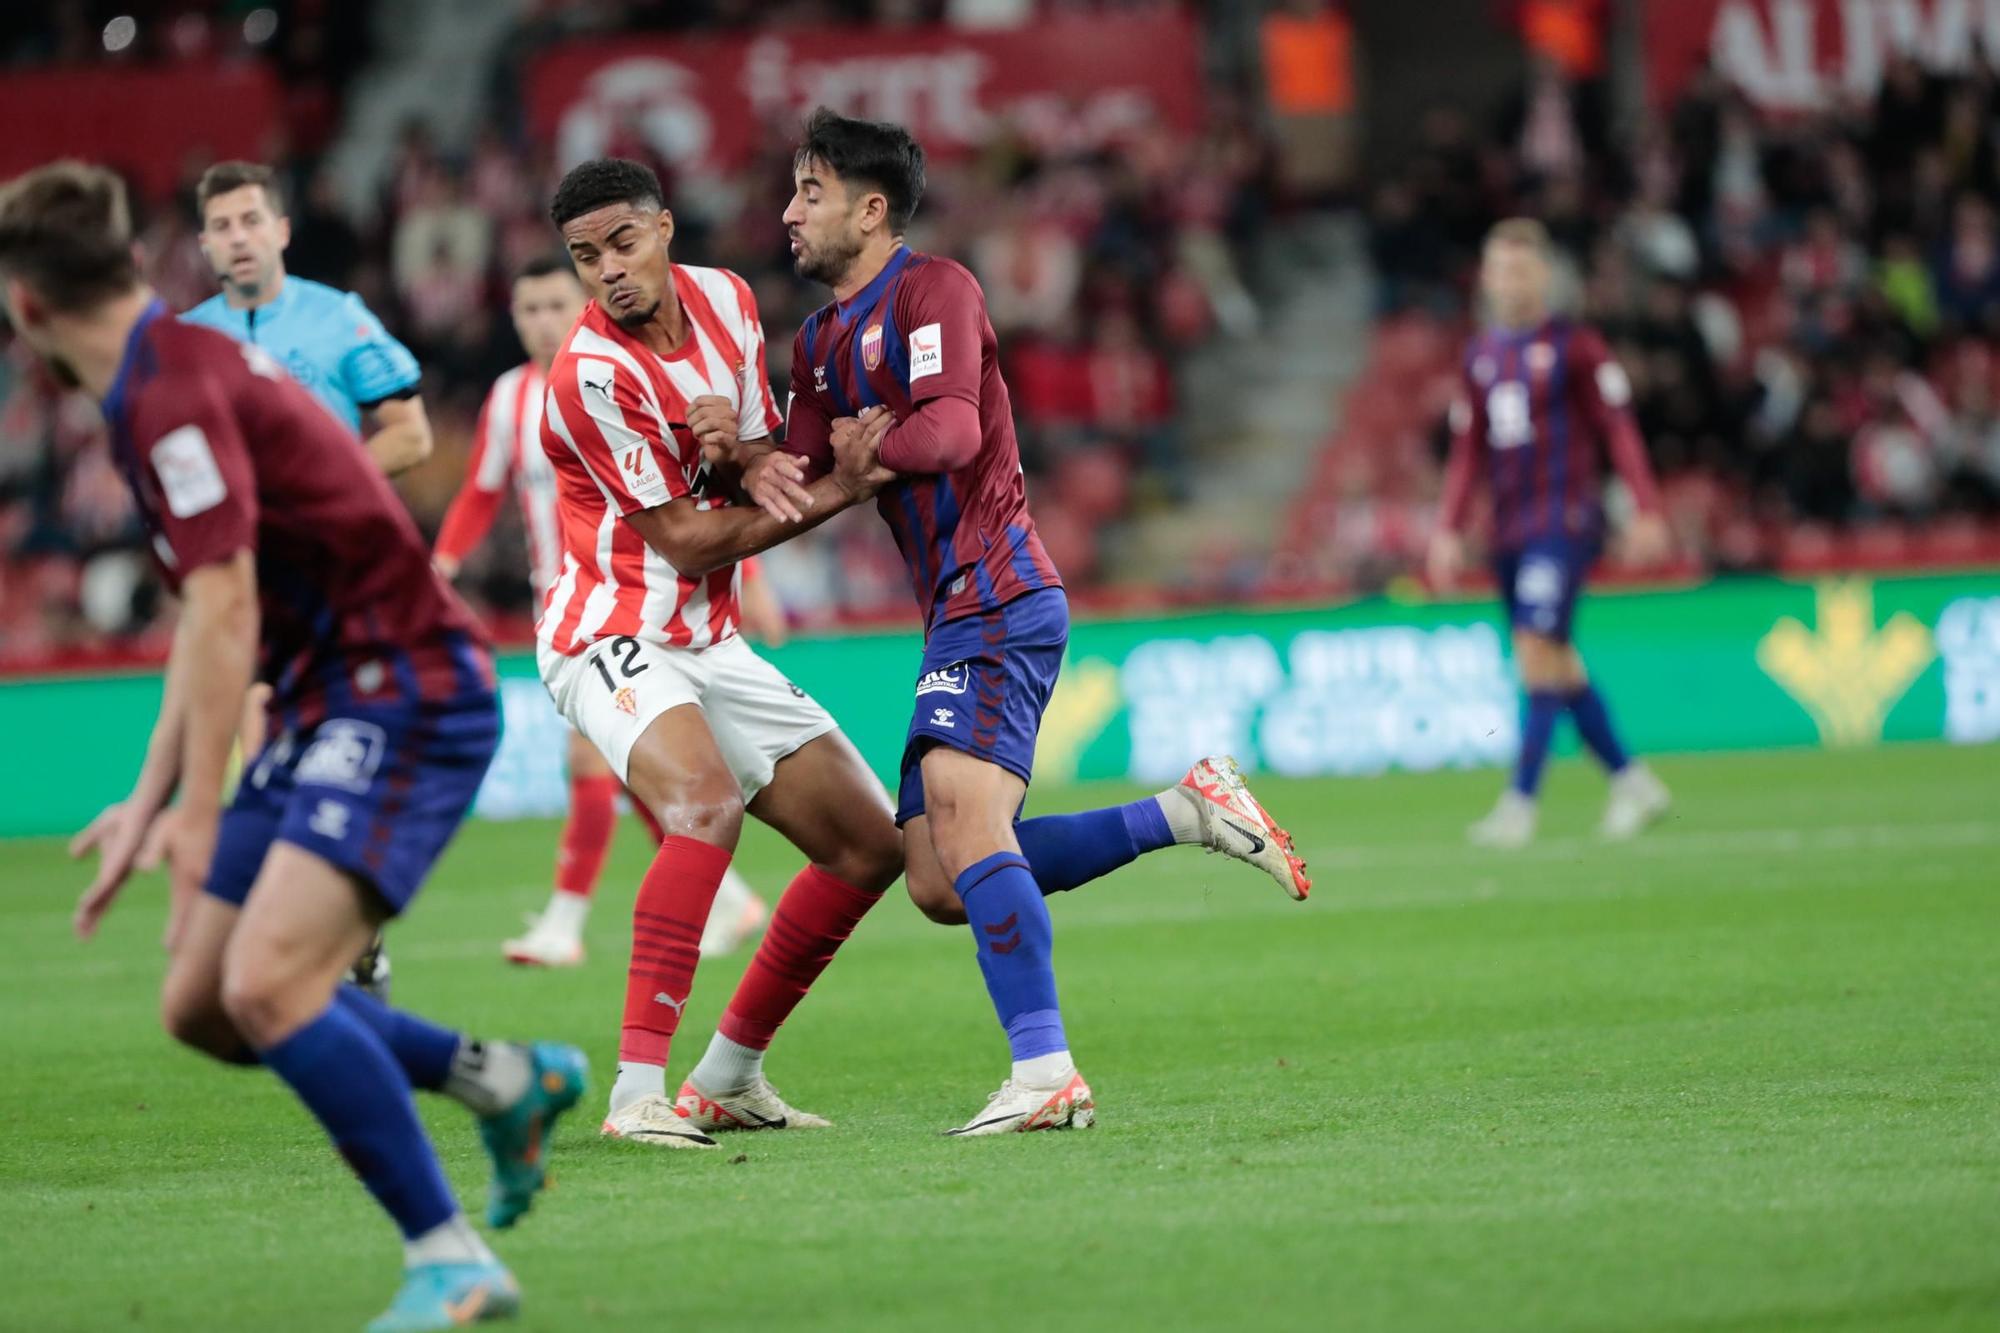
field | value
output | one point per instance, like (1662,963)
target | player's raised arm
(596,410)
(487,473)
(945,314)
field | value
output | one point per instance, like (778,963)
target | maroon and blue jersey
(917,333)
(1539,412)
(224,452)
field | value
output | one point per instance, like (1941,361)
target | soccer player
(327,339)
(639,647)
(904,365)
(507,448)
(1541,405)
(295,561)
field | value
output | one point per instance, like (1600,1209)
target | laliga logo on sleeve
(871,346)
(926,351)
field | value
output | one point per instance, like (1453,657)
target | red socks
(815,916)
(586,835)
(667,920)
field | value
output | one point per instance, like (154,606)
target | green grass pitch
(1742,1075)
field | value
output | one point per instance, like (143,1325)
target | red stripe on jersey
(721,602)
(628,550)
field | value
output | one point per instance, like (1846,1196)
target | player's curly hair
(878,155)
(602,182)
(66,230)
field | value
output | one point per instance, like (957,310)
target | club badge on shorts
(625,701)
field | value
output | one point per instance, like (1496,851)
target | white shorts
(614,689)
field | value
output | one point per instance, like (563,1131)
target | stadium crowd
(1103,262)
(1809,308)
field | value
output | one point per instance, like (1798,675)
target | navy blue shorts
(376,790)
(1540,584)
(985,682)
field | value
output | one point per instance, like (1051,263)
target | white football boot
(1233,823)
(1021,1109)
(656,1121)
(1512,823)
(756,1107)
(547,944)
(1637,799)
(736,915)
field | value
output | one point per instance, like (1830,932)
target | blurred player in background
(294,561)
(507,450)
(326,339)
(640,650)
(1541,406)
(904,363)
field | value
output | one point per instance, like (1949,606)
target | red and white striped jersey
(507,447)
(615,429)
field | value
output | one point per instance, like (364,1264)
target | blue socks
(1538,727)
(346,1076)
(1593,724)
(424,1050)
(1011,930)
(1064,851)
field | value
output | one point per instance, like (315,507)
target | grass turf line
(1739,1076)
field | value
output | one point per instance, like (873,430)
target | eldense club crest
(871,346)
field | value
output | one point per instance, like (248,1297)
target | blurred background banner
(1366,688)
(712,103)
(1810,55)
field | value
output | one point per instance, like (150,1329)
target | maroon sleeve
(1468,453)
(1604,395)
(187,436)
(943,316)
(808,424)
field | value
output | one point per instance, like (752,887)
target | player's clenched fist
(776,483)
(857,445)
(713,421)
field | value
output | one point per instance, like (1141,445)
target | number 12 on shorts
(626,649)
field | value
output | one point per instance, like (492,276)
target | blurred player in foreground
(278,533)
(639,647)
(1541,405)
(329,342)
(507,449)
(904,363)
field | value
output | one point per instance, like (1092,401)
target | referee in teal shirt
(326,339)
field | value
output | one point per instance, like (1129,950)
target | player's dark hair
(224,177)
(66,230)
(869,153)
(602,182)
(541,266)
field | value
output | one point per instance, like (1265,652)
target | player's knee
(931,890)
(710,813)
(198,1022)
(263,1003)
(872,858)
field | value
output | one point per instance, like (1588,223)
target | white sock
(636,1081)
(1183,816)
(566,913)
(487,1077)
(1045,1071)
(727,1066)
(449,1242)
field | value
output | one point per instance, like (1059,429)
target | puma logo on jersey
(602,390)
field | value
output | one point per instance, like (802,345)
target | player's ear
(284,231)
(24,309)
(666,226)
